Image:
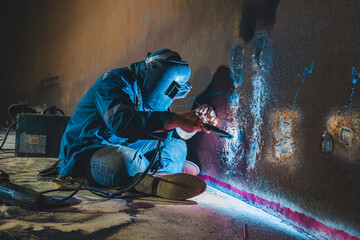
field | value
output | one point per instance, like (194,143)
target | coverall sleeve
(116,102)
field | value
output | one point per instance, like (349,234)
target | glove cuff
(183,134)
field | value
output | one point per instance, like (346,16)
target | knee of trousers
(173,156)
(114,165)
(178,147)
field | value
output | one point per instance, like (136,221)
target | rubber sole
(178,186)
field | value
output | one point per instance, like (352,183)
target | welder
(124,117)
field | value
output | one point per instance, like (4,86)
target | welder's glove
(207,114)
(183,134)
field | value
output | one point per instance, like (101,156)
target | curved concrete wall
(294,110)
(63,46)
(289,90)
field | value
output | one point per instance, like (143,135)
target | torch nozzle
(218,131)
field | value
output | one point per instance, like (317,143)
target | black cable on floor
(54,203)
(102,192)
(6,135)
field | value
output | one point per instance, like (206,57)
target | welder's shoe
(191,168)
(178,186)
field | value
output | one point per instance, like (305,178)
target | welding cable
(159,161)
(147,170)
(105,192)
(102,192)
(62,189)
(48,173)
(81,186)
(6,135)
(54,203)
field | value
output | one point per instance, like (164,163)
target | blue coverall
(110,133)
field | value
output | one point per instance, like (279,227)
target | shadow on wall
(217,95)
(239,105)
(257,15)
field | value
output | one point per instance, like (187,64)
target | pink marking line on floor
(300,218)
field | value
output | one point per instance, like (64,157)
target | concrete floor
(212,215)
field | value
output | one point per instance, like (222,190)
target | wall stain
(49,83)
(147,18)
(283,126)
(257,15)
(344,128)
(285,144)
(262,65)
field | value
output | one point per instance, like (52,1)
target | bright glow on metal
(248,214)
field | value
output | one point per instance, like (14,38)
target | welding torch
(218,131)
(199,112)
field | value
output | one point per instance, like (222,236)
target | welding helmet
(165,81)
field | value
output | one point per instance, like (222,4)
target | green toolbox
(39,135)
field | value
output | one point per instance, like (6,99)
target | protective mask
(165,81)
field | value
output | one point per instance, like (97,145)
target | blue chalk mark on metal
(232,148)
(233,151)
(302,79)
(262,64)
(356,77)
(256,109)
(296,94)
(236,64)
